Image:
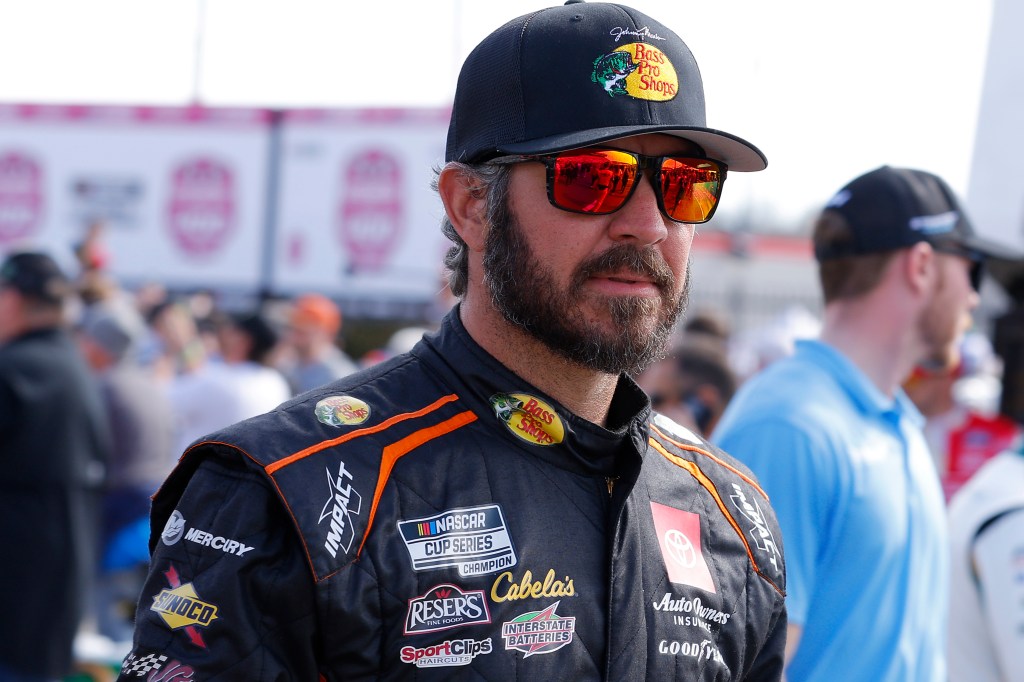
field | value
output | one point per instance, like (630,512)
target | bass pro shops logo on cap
(638,70)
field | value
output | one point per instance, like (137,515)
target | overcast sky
(827,90)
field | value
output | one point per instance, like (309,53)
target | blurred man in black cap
(500,503)
(53,444)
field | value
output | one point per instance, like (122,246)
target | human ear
(920,267)
(465,202)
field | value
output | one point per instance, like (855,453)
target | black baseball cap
(895,208)
(580,74)
(36,276)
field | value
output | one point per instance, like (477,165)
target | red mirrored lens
(690,188)
(597,181)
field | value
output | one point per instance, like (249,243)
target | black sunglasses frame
(644,163)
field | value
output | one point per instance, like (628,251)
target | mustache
(646,262)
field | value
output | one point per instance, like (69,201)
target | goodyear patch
(529,418)
(538,632)
(342,410)
(475,540)
(637,70)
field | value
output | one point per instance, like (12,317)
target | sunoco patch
(474,540)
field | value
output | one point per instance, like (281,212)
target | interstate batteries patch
(475,540)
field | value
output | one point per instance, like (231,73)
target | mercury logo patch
(174,528)
(342,410)
(529,418)
(679,538)
(637,70)
(473,539)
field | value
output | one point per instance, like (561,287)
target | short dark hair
(847,276)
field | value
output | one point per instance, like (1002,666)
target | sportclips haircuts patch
(529,418)
(473,539)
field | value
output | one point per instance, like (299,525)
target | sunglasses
(601,181)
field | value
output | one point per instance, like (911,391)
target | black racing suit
(437,518)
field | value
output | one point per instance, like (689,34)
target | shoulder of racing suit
(741,501)
(328,454)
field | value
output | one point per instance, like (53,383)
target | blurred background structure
(261,149)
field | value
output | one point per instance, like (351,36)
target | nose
(640,220)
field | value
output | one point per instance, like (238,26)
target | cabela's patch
(342,410)
(638,70)
(529,418)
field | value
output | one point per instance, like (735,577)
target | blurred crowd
(170,369)
(125,381)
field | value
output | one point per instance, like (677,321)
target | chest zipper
(610,480)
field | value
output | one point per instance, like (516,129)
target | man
(693,384)
(314,323)
(53,444)
(838,446)
(242,383)
(142,425)
(499,503)
(986,528)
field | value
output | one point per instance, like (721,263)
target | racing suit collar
(585,447)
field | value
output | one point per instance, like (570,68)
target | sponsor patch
(507,588)
(181,607)
(675,429)
(174,530)
(445,607)
(446,654)
(156,668)
(529,418)
(679,537)
(538,632)
(473,539)
(705,651)
(342,410)
(688,611)
(637,70)
(759,532)
(342,504)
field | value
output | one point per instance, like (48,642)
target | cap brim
(1008,272)
(992,250)
(735,152)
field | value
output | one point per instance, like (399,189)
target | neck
(878,340)
(585,392)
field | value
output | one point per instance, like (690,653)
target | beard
(528,297)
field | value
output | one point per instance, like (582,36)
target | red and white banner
(181,191)
(356,216)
